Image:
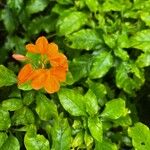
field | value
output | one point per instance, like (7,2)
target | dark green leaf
(140,135)
(95,127)
(87,39)
(7,77)
(61,135)
(114,109)
(28,97)
(72,101)
(70,22)
(12,104)
(3,138)
(45,107)
(101,64)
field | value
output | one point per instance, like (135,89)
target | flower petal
(38,79)
(25,73)
(52,50)
(59,72)
(51,84)
(42,45)
(31,48)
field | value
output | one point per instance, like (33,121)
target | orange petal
(38,81)
(42,45)
(59,73)
(51,84)
(31,48)
(52,50)
(25,73)
(19,57)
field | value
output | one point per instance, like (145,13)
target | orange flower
(51,70)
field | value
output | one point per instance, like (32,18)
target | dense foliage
(105,98)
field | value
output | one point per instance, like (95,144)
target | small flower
(47,70)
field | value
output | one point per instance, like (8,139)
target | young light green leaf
(70,22)
(101,65)
(23,116)
(141,40)
(87,39)
(12,104)
(88,139)
(35,141)
(105,145)
(61,135)
(121,53)
(140,135)
(91,103)
(5,121)
(45,108)
(92,5)
(3,138)
(7,77)
(95,127)
(145,17)
(35,6)
(11,143)
(78,140)
(72,101)
(143,60)
(114,109)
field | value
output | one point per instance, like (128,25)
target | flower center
(45,63)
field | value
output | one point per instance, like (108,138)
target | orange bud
(19,57)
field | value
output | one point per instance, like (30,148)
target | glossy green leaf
(34,6)
(121,53)
(45,108)
(3,138)
(7,77)
(87,39)
(95,127)
(23,116)
(35,141)
(5,121)
(141,40)
(105,145)
(101,64)
(145,16)
(92,5)
(114,109)
(61,135)
(28,97)
(91,103)
(143,60)
(12,104)
(72,101)
(70,22)
(11,143)
(140,135)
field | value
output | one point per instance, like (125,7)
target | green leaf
(105,145)
(143,60)
(92,5)
(23,116)
(114,109)
(7,77)
(70,21)
(45,108)
(101,64)
(129,77)
(65,2)
(91,103)
(141,40)
(11,143)
(95,127)
(3,138)
(34,6)
(5,121)
(35,141)
(145,16)
(72,101)
(61,135)
(121,53)
(28,97)
(140,135)
(87,39)
(88,139)
(12,104)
